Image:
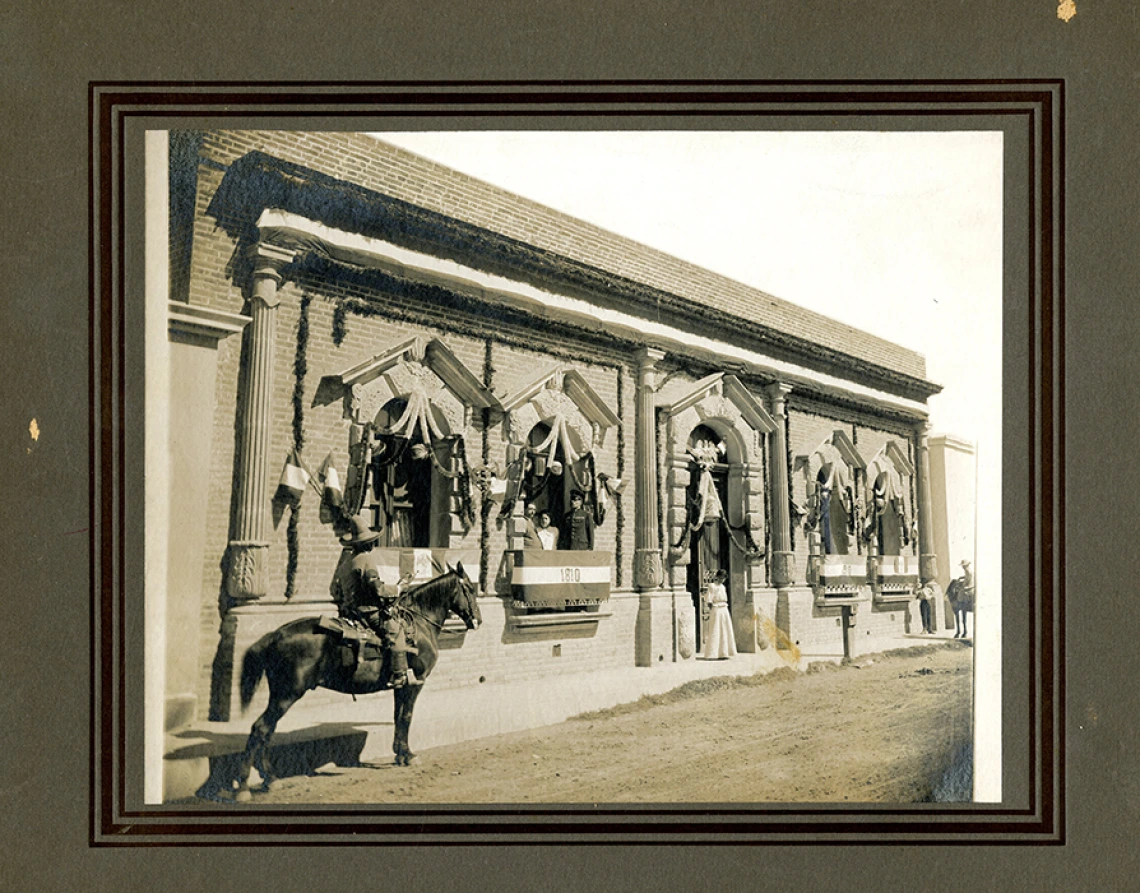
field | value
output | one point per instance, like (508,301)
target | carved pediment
(836,457)
(560,392)
(721,396)
(417,366)
(892,466)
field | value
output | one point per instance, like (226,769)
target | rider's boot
(399,675)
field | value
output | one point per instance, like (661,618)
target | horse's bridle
(469,595)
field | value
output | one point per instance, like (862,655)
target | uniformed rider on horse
(361,597)
(968,580)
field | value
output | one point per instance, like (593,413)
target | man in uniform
(578,532)
(361,597)
(967,577)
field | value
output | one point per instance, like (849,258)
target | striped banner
(844,566)
(898,566)
(422,564)
(561,577)
(843,573)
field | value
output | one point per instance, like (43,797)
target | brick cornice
(257,181)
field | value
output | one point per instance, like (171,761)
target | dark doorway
(402,484)
(709,544)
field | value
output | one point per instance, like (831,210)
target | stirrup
(398,680)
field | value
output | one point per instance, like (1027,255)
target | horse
(301,656)
(961,600)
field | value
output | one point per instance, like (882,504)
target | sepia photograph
(519,467)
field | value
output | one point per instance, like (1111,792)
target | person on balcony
(531,539)
(547,535)
(578,525)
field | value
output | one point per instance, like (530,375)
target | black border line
(1046,294)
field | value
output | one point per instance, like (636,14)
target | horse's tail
(252,669)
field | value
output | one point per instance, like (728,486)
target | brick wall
(385,168)
(512,353)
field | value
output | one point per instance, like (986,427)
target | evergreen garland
(486,507)
(339,323)
(300,369)
(788,448)
(620,523)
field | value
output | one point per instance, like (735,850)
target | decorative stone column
(647,551)
(248,548)
(782,556)
(927,560)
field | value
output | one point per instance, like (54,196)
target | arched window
(410,486)
(549,479)
(835,507)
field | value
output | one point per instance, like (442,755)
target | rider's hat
(965,564)
(360,534)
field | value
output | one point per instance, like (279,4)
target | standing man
(530,534)
(925,597)
(361,597)
(578,525)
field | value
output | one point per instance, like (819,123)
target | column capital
(267,260)
(776,393)
(648,357)
(923,428)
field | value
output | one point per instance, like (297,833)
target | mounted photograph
(574,467)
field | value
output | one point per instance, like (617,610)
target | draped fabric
(890,530)
(418,421)
(889,516)
(560,435)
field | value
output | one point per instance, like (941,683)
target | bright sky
(898,234)
(895,233)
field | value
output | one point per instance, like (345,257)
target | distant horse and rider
(960,594)
(309,653)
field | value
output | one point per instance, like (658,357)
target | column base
(247,579)
(928,567)
(654,630)
(647,574)
(783,564)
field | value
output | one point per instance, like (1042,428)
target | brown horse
(300,656)
(961,601)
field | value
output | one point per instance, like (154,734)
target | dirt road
(886,729)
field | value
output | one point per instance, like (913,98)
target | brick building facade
(329,290)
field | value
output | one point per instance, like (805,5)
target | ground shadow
(292,753)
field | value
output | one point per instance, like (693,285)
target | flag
(332,497)
(293,480)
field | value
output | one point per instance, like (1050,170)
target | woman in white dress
(720,642)
(547,535)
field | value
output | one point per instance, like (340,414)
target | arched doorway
(406,487)
(709,546)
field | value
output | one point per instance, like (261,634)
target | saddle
(358,641)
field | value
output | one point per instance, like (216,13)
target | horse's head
(465,601)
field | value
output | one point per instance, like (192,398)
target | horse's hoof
(243,796)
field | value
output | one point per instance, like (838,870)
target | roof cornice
(257,181)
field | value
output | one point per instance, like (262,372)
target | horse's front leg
(405,702)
